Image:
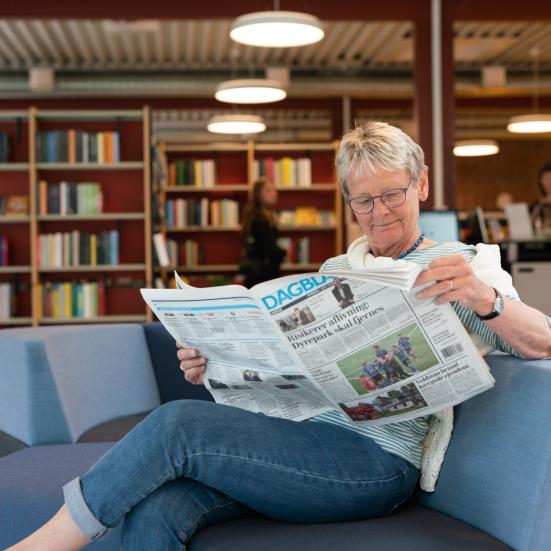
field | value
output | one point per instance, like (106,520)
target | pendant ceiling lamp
(236,124)
(534,123)
(475,148)
(250,91)
(530,124)
(277,29)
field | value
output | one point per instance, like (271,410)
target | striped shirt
(405,438)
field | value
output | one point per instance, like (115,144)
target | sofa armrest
(170,379)
(497,472)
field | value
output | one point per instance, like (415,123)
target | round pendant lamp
(530,124)
(236,124)
(277,29)
(535,122)
(250,91)
(475,148)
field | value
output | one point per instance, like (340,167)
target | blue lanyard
(412,248)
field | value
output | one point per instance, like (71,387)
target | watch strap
(494,313)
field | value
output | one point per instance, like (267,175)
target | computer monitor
(475,226)
(439,225)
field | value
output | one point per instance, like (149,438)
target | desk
(532,280)
(529,263)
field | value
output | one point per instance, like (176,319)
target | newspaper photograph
(300,345)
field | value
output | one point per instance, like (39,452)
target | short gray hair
(374,144)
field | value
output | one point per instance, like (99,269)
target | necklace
(412,248)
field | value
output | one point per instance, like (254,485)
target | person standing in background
(541,211)
(262,257)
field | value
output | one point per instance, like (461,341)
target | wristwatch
(499,306)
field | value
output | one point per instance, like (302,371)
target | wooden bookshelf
(125,183)
(317,188)
(235,165)
(222,179)
(16,229)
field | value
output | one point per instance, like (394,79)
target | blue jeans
(193,463)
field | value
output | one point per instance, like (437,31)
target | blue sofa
(68,392)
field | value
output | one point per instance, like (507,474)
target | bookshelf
(15,219)
(202,191)
(310,205)
(82,264)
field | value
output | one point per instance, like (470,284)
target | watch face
(499,304)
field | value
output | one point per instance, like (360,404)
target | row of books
(73,300)
(75,248)
(204,212)
(69,198)
(77,146)
(14,205)
(189,253)
(171,252)
(192,172)
(298,249)
(306,216)
(4,251)
(6,300)
(4,147)
(284,172)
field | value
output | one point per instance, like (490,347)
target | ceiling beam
(390,10)
(497,10)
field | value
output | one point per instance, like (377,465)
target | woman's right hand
(191,363)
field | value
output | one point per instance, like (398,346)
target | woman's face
(545,181)
(268,195)
(389,228)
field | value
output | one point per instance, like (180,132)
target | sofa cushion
(170,379)
(414,528)
(101,372)
(30,406)
(497,471)
(31,482)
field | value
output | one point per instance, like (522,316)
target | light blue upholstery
(497,471)
(100,372)
(27,387)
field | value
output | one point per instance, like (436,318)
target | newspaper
(301,345)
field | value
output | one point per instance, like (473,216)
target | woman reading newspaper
(191,463)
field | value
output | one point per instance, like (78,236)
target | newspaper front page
(300,345)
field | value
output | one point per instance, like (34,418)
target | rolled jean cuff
(87,523)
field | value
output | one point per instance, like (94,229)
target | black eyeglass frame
(404,190)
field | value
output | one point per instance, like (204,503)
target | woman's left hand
(454,280)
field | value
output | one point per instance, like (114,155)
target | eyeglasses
(392,198)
